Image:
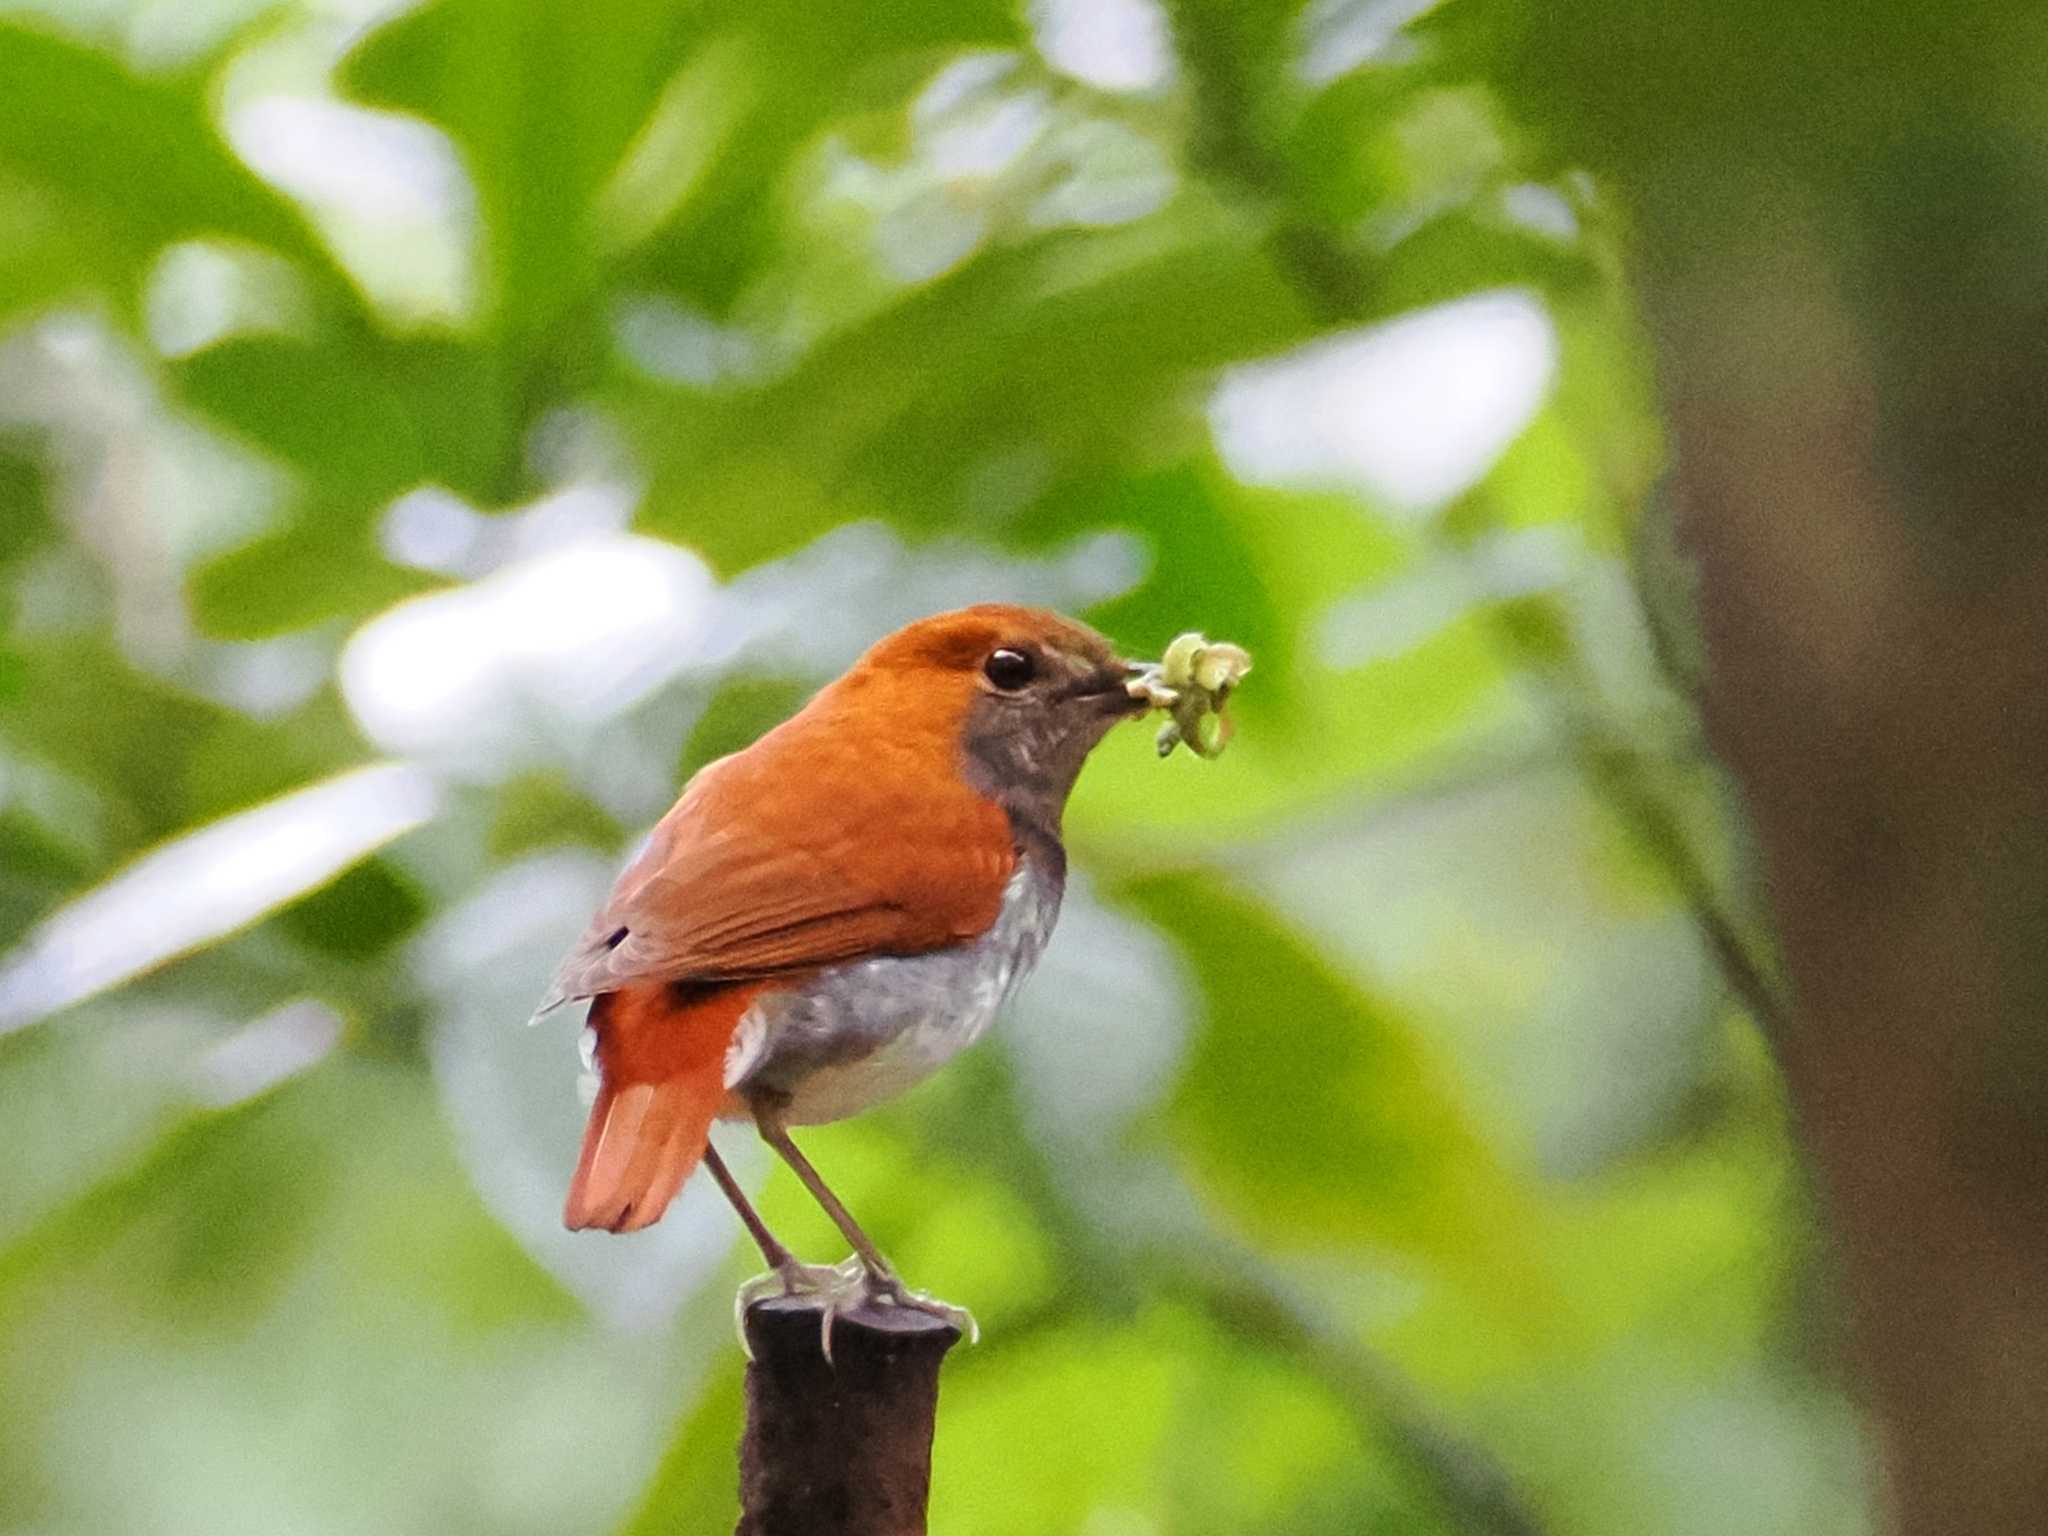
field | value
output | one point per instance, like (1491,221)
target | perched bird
(827,916)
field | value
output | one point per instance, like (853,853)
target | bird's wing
(772,862)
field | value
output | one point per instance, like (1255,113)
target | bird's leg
(786,1276)
(769,1118)
(778,1257)
(879,1279)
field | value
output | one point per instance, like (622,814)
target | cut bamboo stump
(840,1447)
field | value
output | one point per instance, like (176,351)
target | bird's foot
(839,1287)
(842,1289)
(886,1290)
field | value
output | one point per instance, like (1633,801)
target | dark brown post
(840,1447)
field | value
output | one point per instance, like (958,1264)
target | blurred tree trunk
(1842,223)
(1883,698)
(1888,718)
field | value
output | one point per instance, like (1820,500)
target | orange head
(1013,698)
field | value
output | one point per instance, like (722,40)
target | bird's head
(1023,694)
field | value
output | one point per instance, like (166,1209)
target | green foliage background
(1381,1149)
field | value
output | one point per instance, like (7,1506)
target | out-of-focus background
(427,434)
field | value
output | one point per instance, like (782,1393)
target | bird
(827,916)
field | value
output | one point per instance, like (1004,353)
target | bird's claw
(843,1288)
(833,1284)
(888,1291)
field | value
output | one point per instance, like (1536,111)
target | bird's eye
(1009,670)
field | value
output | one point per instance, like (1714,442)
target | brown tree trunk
(839,1447)
(1887,714)
(1840,220)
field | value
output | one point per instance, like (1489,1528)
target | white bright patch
(979,134)
(377,164)
(1085,1069)
(208,883)
(682,345)
(265,1052)
(431,529)
(1412,411)
(202,291)
(387,190)
(572,635)
(1543,209)
(1340,35)
(1115,176)
(1114,45)
(1394,618)
(815,610)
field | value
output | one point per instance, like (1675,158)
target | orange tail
(661,1054)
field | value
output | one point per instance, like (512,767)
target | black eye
(1009,670)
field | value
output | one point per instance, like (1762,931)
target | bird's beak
(1113,685)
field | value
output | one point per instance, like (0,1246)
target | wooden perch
(840,1447)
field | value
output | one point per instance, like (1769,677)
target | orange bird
(827,916)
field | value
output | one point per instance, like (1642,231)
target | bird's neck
(1041,848)
(1033,810)
(1029,774)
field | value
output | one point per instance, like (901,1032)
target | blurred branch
(1620,777)
(1648,546)
(1245,1297)
(1623,781)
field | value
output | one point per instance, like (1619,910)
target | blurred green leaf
(245,760)
(366,415)
(318,566)
(361,418)
(1061,347)
(129,164)
(362,913)
(1075,1424)
(38,868)
(1316,1112)
(43,256)
(220,1201)
(542,96)
(1312,726)
(542,810)
(1538,628)
(1606,85)
(1458,252)
(24,500)
(469,409)
(787,68)
(1254,1446)
(87,712)
(694,1488)
(424,1233)
(314,409)
(740,712)
(1204,567)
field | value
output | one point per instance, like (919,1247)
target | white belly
(836,1092)
(863,1032)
